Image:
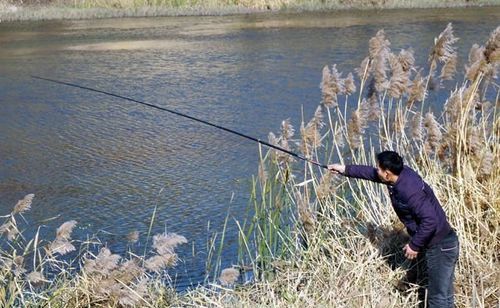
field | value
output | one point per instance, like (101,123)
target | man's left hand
(410,254)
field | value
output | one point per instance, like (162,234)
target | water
(106,162)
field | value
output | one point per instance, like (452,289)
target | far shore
(87,9)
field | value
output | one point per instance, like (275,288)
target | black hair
(390,160)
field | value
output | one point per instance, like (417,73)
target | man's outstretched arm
(356,171)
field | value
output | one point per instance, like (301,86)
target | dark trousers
(434,271)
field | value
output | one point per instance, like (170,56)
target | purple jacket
(415,204)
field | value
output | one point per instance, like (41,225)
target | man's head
(389,166)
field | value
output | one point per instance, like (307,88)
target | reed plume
(110,281)
(476,62)
(4,228)
(277,155)
(470,96)
(18,263)
(61,243)
(103,264)
(160,262)
(64,231)
(434,135)
(476,53)
(379,53)
(364,67)
(380,74)
(354,127)
(329,97)
(167,242)
(485,59)
(311,136)
(128,298)
(133,237)
(399,122)
(337,82)
(378,45)
(164,244)
(357,124)
(492,48)
(272,139)
(128,271)
(398,83)
(453,107)
(36,278)
(417,89)
(349,85)
(331,85)
(263,175)
(9,228)
(433,83)
(306,215)
(287,130)
(23,205)
(449,68)
(416,132)
(443,49)
(318,118)
(229,276)
(338,138)
(373,107)
(61,247)
(407,59)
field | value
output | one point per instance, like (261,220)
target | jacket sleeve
(424,212)
(362,172)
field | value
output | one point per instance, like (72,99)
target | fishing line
(185,116)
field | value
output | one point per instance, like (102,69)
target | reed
(82,278)
(344,248)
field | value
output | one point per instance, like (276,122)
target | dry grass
(345,250)
(317,239)
(86,9)
(35,273)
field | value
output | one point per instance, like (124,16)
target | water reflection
(130,45)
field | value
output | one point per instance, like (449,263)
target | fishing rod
(185,116)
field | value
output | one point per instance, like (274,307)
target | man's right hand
(336,168)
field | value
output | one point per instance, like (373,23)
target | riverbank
(91,9)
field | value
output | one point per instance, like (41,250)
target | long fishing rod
(185,116)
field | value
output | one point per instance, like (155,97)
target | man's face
(384,175)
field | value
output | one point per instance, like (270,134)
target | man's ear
(390,174)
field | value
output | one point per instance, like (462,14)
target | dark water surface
(106,162)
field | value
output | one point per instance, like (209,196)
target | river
(107,162)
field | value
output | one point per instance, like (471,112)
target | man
(432,238)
